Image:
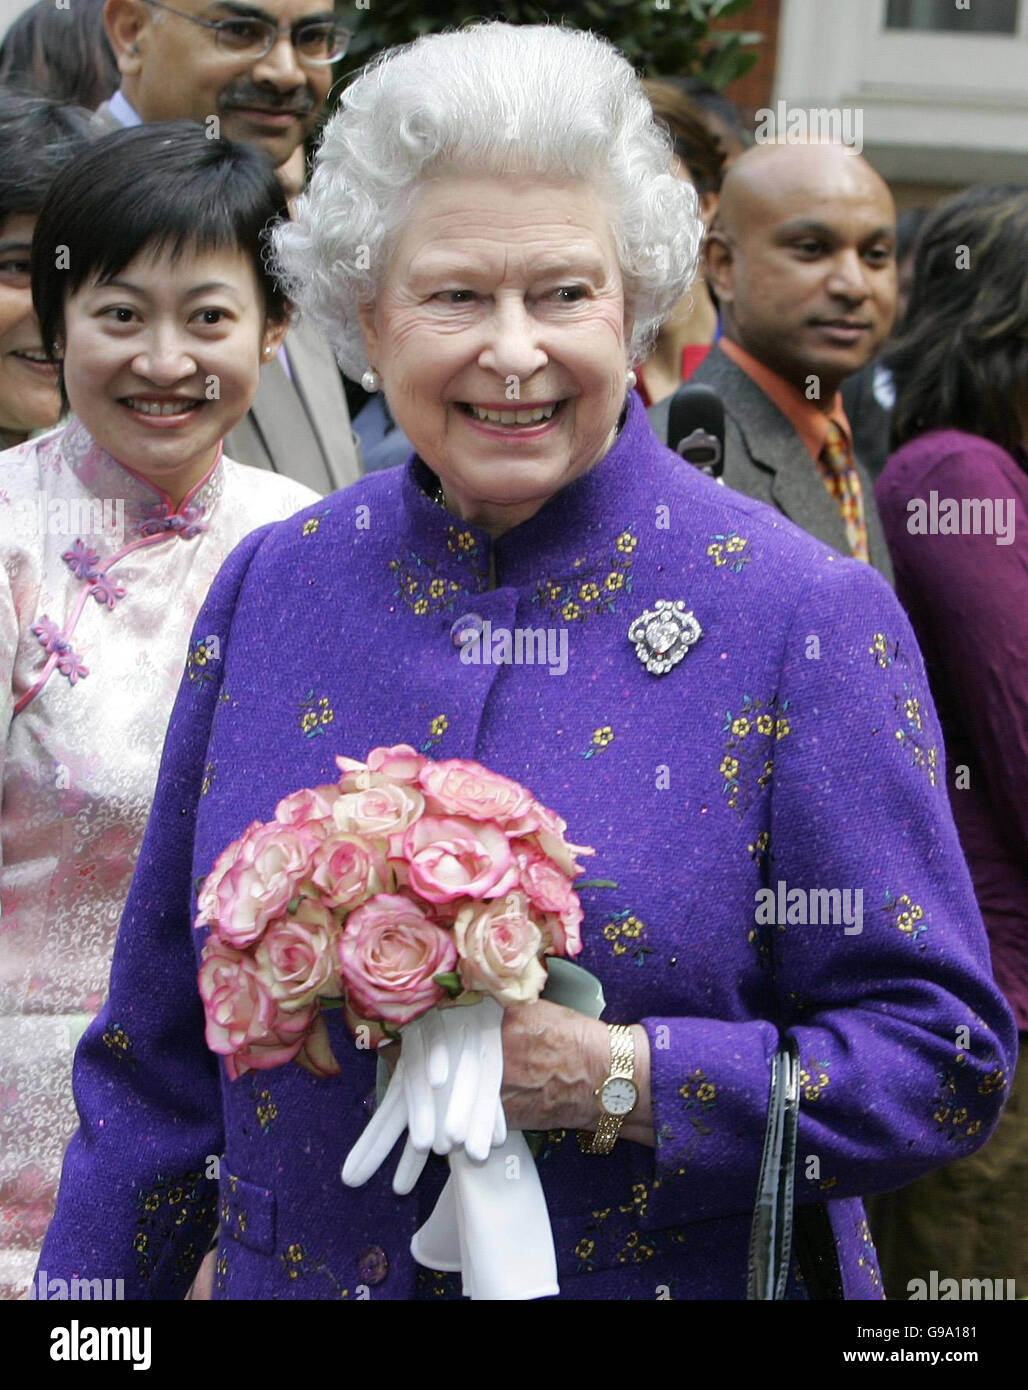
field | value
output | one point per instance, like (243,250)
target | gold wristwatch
(618,1096)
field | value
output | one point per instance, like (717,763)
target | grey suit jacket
(765,458)
(300,428)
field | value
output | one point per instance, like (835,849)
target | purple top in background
(967,597)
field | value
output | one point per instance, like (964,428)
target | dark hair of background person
(694,142)
(961,361)
(159,186)
(37,139)
(60,53)
(908,228)
(723,114)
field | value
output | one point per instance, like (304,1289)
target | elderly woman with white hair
(741,728)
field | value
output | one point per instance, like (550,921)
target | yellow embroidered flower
(421,607)
(588,593)
(619,948)
(879,650)
(993,1081)
(782,728)
(942,1115)
(734,544)
(974,1127)
(729,768)
(685,1091)
(200,655)
(437,588)
(706,1091)
(553,589)
(715,552)
(585,1248)
(412,586)
(141,1242)
(765,724)
(631,926)
(741,726)
(311,525)
(603,737)
(614,581)
(309,721)
(626,542)
(438,726)
(959,1116)
(611,931)
(912,710)
(905,922)
(570,611)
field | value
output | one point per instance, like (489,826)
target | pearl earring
(371,380)
(631,379)
(267,350)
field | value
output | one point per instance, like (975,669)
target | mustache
(300,102)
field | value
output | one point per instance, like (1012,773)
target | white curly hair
(496,99)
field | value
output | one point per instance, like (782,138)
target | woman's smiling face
(503,294)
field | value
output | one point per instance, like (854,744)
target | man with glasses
(263,72)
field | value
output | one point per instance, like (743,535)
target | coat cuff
(709,1081)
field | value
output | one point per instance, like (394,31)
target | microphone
(696,428)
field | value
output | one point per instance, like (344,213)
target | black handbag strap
(770,1247)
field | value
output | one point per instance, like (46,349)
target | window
(944,16)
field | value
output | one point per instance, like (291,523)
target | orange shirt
(809,422)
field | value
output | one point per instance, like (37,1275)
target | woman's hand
(554,1061)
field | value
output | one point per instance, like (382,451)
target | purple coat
(795,744)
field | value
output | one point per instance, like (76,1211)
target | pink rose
(244,1024)
(449,858)
(549,835)
(499,948)
(383,766)
(389,951)
(270,863)
(316,1054)
(295,956)
(459,787)
(551,893)
(401,763)
(308,804)
(347,869)
(381,810)
(207,898)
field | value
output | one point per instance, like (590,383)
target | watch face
(619,1095)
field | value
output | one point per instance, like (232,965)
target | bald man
(802,260)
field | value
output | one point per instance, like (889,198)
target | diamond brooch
(663,634)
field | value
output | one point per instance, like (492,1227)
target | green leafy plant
(677,41)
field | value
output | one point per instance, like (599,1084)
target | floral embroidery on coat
(423,589)
(299,1263)
(436,729)
(748,762)
(729,550)
(601,740)
(595,587)
(814,1078)
(118,1042)
(315,714)
(952,1111)
(627,936)
(911,716)
(906,916)
(187,1203)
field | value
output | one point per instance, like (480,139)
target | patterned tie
(843,482)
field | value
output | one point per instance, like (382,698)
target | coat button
(466,628)
(372,1265)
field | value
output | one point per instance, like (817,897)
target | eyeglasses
(317,42)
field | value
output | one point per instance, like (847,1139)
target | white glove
(445,1092)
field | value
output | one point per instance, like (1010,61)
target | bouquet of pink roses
(407,885)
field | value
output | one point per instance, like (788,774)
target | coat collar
(583,518)
(147,508)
